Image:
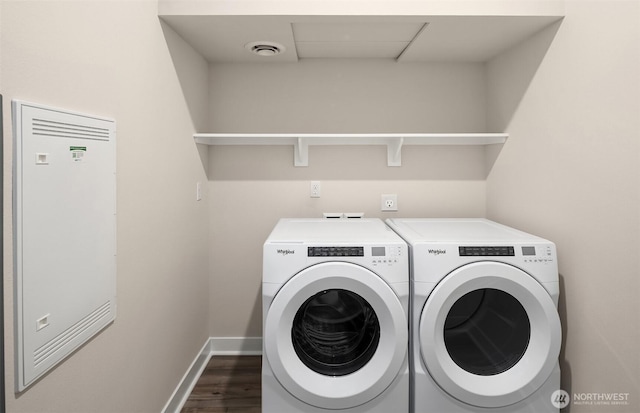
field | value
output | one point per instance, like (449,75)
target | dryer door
(335,335)
(489,334)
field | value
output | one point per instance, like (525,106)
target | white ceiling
(406,39)
(353,39)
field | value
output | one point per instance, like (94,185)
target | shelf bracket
(394,152)
(301,152)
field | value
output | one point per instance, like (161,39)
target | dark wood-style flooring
(229,384)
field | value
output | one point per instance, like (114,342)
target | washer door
(335,335)
(489,334)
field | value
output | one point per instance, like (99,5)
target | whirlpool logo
(436,252)
(286,252)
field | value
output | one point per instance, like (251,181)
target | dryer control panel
(530,253)
(489,251)
(539,254)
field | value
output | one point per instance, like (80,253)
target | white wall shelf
(393,141)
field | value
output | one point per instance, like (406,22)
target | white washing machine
(335,308)
(485,330)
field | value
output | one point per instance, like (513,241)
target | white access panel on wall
(65,234)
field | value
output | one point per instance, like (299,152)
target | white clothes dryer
(335,308)
(485,330)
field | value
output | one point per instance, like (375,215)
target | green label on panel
(78,148)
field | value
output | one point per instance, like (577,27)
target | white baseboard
(233,346)
(182,392)
(214,346)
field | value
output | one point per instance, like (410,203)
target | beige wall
(570,172)
(112,59)
(342,96)
(252,187)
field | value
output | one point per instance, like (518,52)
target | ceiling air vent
(265,48)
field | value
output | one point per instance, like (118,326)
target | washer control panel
(388,255)
(335,252)
(375,255)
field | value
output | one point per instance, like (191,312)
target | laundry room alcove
(391,97)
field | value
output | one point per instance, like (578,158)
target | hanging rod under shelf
(393,141)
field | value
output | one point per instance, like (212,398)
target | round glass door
(486,332)
(489,334)
(336,335)
(335,332)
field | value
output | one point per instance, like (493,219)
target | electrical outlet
(388,202)
(314,189)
